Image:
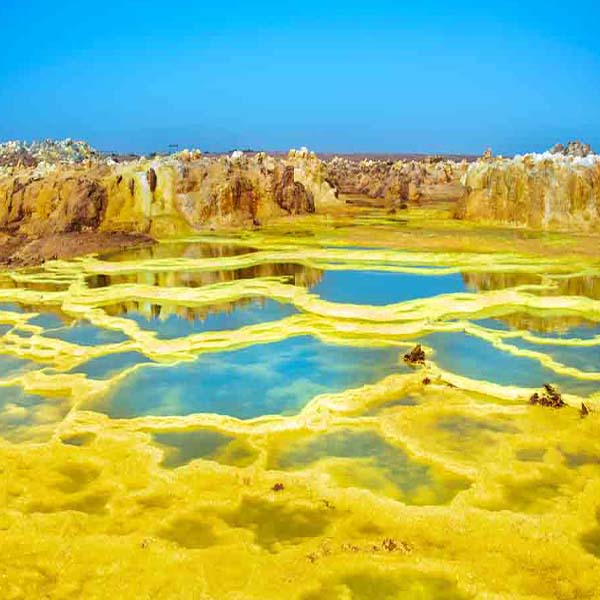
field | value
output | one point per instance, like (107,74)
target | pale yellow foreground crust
(488,497)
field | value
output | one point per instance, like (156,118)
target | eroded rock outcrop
(575,148)
(397,182)
(559,189)
(549,397)
(62,201)
(313,174)
(163,196)
(55,189)
(66,151)
(291,195)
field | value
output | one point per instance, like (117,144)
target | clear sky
(418,76)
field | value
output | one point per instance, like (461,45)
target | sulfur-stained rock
(172,195)
(396,182)
(487,155)
(555,190)
(292,196)
(66,151)
(416,356)
(60,202)
(574,148)
(312,174)
(152,179)
(550,397)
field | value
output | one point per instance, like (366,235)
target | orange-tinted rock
(60,202)
(292,196)
(544,191)
(396,182)
(166,196)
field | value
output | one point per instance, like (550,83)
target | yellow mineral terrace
(431,481)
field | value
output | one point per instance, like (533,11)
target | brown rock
(196,192)
(416,356)
(550,397)
(292,196)
(396,182)
(534,191)
(487,155)
(152,179)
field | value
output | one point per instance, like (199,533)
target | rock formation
(575,148)
(65,187)
(559,189)
(549,397)
(397,182)
(67,151)
(312,173)
(163,196)
(416,356)
(291,195)
(59,188)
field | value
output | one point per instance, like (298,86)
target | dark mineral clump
(152,179)
(550,397)
(416,356)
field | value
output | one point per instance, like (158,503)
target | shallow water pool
(222,410)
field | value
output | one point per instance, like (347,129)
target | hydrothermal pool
(277,378)
(168,321)
(233,417)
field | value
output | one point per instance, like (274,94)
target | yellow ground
(465,492)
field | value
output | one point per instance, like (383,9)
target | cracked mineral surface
(229,415)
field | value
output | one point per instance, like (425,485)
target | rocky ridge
(160,196)
(68,151)
(397,182)
(55,188)
(558,189)
(59,188)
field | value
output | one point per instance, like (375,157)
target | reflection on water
(43,284)
(172,321)
(299,452)
(84,334)
(581,357)
(587,286)
(107,366)
(544,326)
(382,287)
(258,380)
(27,417)
(178,250)
(579,285)
(472,357)
(295,273)
(11,366)
(485,282)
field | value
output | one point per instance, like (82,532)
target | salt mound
(48,151)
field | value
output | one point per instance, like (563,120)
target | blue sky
(418,76)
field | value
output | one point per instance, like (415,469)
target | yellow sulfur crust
(465,491)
